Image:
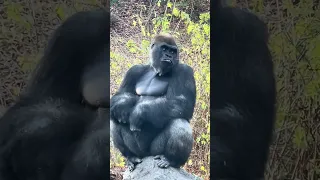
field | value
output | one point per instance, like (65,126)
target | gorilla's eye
(171,52)
(164,49)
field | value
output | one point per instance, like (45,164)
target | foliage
(295,46)
(194,44)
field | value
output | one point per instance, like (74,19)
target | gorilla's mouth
(167,60)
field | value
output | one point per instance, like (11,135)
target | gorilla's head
(164,54)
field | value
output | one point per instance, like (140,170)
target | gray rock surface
(148,170)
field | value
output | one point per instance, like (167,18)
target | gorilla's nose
(168,56)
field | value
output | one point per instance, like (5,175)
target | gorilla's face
(163,57)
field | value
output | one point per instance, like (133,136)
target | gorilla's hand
(121,106)
(138,116)
(120,113)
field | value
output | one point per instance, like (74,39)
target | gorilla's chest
(152,85)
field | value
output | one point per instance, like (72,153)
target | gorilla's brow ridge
(167,38)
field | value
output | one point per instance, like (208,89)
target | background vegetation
(137,23)
(294,41)
(295,44)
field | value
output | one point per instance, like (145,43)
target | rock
(148,170)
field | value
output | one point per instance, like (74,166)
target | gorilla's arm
(125,99)
(179,102)
(90,160)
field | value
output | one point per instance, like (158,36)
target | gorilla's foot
(132,162)
(134,128)
(163,162)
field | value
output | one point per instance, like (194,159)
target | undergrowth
(193,39)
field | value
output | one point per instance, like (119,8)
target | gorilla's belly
(152,85)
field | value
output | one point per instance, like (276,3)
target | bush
(193,39)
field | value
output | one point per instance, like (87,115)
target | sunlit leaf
(175,12)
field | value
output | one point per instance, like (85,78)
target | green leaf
(143,31)
(206,29)
(312,88)
(14,11)
(176,12)
(185,16)
(315,52)
(299,138)
(60,12)
(190,28)
(198,139)
(145,46)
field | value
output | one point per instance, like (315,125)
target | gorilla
(59,127)
(151,111)
(243,94)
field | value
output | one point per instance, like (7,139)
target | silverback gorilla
(152,109)
(59,127)
(242,93)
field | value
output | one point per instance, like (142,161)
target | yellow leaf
(175,12)
(202,168)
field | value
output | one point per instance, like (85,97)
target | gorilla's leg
(40,142)
(125,146)
(225,143)
(173,146)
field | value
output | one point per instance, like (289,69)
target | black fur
(242,93)
(178,102)
(159,124)
(49,134)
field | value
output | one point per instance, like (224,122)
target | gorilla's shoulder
(138,69)
(185,68)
